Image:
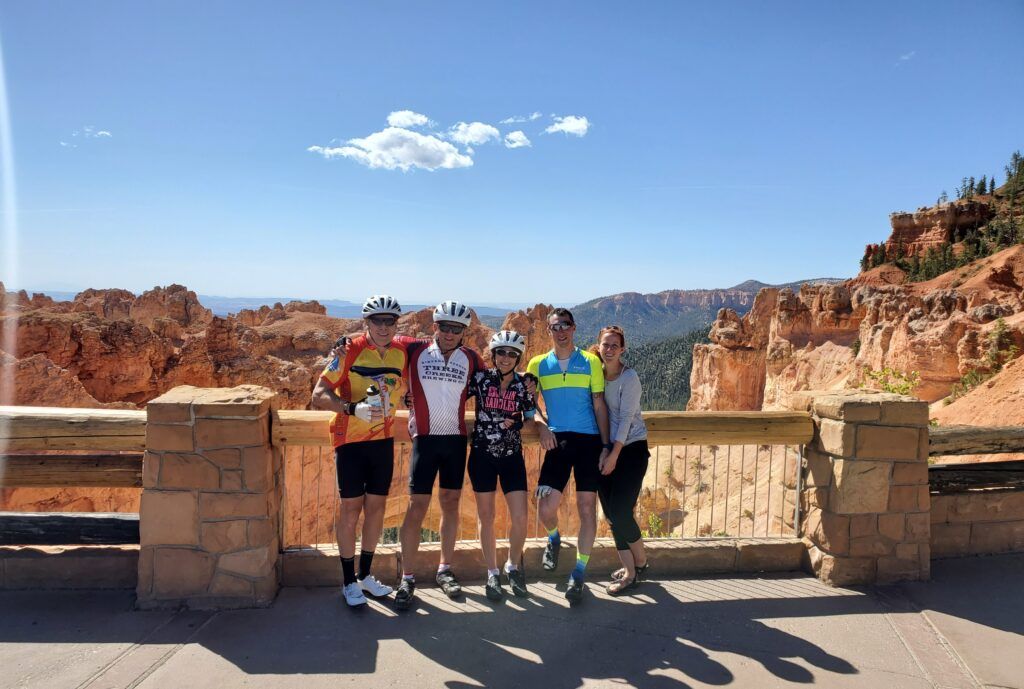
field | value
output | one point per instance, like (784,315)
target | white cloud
(521,118)
(408,118)
(395,148)
(516,139)
(908,56)
(570,124)
(473,133)
(90,132)
(65,144)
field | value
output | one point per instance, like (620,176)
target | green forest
(664,369)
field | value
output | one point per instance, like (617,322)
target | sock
(410,577)
(365,560)
(495,572)
(554,536)
(581,565)
(443,568)
(509,567)
(348,570)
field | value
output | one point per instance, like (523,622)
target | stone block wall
(865,501)
(977,522)
(210,512)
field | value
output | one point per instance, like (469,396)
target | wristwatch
(350,408)
(609,446)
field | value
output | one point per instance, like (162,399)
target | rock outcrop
(829,337)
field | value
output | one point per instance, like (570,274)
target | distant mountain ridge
(671,313)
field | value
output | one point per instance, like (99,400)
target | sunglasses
(560,326)
(383,320)
(510,353)
(451,328)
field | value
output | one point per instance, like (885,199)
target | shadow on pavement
(660,637)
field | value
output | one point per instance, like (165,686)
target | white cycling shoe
(373,587)
(353,595)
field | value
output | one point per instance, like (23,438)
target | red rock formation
(931,227)
(938,329)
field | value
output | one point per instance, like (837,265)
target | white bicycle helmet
(508,338)
(452,312)
(381,305)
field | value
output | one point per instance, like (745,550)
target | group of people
(590,428)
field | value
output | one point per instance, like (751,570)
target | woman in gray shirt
(622,474)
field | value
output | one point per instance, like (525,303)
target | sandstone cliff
(825,337)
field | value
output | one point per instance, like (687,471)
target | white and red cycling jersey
(438,388)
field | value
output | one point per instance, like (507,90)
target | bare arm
(325,398)
(601,413)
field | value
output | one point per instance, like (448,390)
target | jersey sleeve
(596,375)
(533,367)
(332,372)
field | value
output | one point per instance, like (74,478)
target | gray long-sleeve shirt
(623,398)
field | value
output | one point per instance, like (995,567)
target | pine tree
(992,185)
(970,187)
(943,197)
(982,186)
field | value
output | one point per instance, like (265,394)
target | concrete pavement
(767,631)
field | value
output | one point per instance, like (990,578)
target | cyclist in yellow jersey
(362,432)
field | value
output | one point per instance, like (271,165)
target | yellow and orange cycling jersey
(363,366)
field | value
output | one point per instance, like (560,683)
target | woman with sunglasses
(503,404)
(622,473)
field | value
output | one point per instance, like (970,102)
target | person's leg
(586,504)
(632,485)
(422,474)
(378,483)
(627,481)
(409,534)
(485,515)
(373,524)
(450,500)
(586,453)
(349,464)
(452,476)
(517,513)
(606,495)
(483,475)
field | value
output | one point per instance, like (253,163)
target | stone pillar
(865,501)
(210,514)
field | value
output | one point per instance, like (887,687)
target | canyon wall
(830,337)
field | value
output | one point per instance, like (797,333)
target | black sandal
(641,572)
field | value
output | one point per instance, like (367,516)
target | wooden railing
(312,428)
(108,444)
(113,440)
(975,440)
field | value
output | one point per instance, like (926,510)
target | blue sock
(554,536)
(580,568)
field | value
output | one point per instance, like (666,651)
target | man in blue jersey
(575,439)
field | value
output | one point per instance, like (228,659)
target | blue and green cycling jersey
(568,396)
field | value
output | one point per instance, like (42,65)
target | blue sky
(720,143)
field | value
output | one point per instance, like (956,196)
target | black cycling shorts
(485,469)
(433,455)
(578,453)
(365,467)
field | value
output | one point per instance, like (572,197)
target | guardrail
(28,432)
(711,474)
